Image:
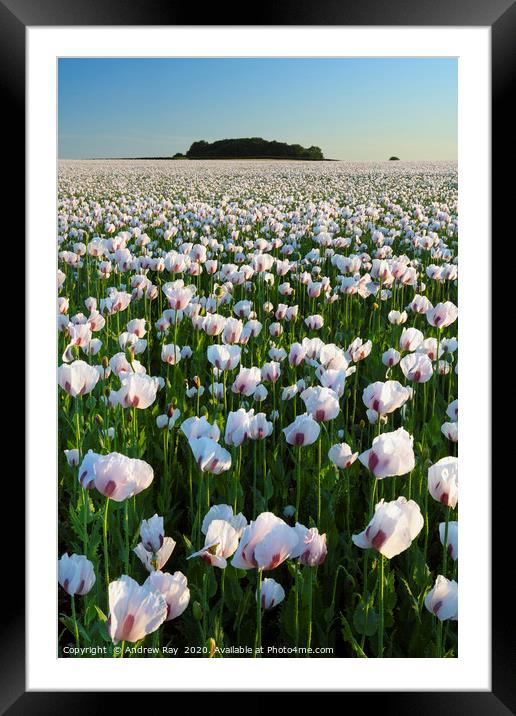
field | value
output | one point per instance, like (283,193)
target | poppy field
(257,409)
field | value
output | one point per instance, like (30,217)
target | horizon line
(251,159)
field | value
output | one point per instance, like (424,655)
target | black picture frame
(500,16)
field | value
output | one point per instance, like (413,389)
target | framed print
(264,240)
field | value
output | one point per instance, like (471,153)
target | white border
(471,670)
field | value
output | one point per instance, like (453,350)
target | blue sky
(353,108)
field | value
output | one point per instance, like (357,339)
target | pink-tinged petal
(361,540)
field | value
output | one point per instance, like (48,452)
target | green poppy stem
(104,534)
(381,607)
(126,535)
(255,457)
(75,626)
(205,604)
(296,604)
(445,542)
(319,448)
(85,518)
(310,601)
(298,483)
(258,633)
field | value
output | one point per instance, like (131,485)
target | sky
(354,109)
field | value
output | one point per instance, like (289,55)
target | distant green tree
(251,147)
(315,153)
(394,159)
(197,147)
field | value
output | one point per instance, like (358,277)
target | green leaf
(91,402)
(420,573)
(288,616)
(413,601)
(260,502)
(101,614)
(390,597)
(365,619)
(347,635)
(76,520)
(233,594)
(189,545)
(69,624)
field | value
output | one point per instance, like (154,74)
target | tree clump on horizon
(251,148)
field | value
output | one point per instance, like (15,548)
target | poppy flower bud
(197,611)
(105,362)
